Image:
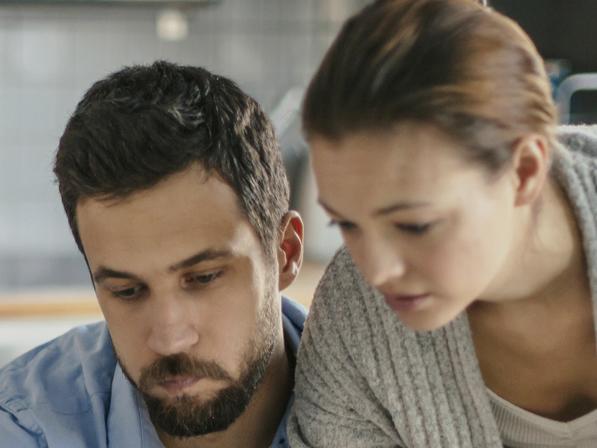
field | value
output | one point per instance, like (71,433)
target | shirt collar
(128,421)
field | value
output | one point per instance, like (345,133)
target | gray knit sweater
(365,380)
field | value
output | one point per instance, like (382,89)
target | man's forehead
(192,177)
(192,187)
(145,253)
(185,209)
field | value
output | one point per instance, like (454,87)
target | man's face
(189,298)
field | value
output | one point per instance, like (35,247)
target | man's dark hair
(144,123)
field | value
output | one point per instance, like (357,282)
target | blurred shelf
(67,303)
(48,305)
(303,288)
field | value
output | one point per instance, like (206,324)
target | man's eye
(415,229)
(201,279)
(128,293)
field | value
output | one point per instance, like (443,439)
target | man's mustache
(180,364)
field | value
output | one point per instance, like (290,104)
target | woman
(462,311)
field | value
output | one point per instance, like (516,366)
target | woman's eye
(128,293)
(201,279)
(344,226)
(415,229)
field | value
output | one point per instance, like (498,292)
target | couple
(459,314)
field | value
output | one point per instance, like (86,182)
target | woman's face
(426,227)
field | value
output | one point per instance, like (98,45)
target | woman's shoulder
(346,304)
(575,162)
(579,139)
(342,282)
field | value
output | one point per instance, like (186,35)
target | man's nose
(172,329)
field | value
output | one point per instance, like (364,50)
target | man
(172,182)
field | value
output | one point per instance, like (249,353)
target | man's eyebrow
(103,273)
(200,257)
(381,211)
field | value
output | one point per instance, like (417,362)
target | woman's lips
(401,303)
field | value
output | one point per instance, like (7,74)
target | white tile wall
(49,55)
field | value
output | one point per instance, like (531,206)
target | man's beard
(185,416)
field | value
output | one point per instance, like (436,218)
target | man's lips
(177,384)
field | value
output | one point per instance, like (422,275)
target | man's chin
(190,416)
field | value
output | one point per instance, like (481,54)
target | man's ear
(290,248)
(531,165)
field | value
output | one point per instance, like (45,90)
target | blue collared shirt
(71,393)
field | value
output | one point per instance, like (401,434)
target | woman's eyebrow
(384,210)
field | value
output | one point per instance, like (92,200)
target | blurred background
(51,52)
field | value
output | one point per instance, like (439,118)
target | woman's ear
(531,163)
(290,249)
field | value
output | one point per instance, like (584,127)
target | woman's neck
(546,256)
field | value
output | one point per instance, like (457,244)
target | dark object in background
(565,32)
(561,29)
(583,107)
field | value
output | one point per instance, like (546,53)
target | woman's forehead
(417,153)
(354,179)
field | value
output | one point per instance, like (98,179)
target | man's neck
(257,426)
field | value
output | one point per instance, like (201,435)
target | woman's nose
(379,261)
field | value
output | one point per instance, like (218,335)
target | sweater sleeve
(334,404)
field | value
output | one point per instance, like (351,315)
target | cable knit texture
(365,380)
